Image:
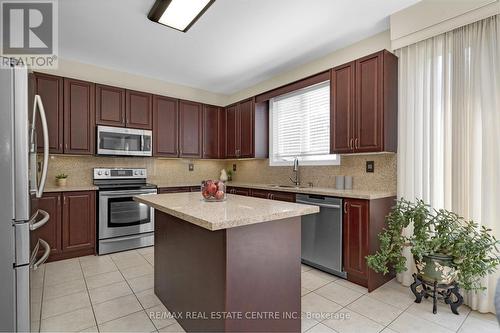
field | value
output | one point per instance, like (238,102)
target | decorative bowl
(213,190)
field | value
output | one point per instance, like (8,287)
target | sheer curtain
(449,130)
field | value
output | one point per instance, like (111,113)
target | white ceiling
(234,45)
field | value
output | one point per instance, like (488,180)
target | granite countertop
(69,188)
(328,191)
(236,211)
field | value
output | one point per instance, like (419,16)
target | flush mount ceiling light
(178,14)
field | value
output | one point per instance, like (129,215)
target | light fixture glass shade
(180,13)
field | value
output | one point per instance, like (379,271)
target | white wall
(429,18)
(339,57)
(93,73)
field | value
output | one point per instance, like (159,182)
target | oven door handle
(114,194)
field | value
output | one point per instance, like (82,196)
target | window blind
(300,124)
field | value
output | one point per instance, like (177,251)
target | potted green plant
(446,247)
(229,174)
(61,179)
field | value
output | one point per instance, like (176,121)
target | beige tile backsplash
(383,179)
(175,171)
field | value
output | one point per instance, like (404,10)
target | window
(300,127)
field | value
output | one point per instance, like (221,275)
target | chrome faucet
(296,181)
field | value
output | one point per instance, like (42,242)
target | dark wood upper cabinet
(355,237)
(232,131)
(190,129)
(110,105)
(364,101)
(51,231)
(139,112)
(50,89)
(165,126)
(79,117)
(246,115)
(247,129)
(342,108)
(78,221)
(211,131)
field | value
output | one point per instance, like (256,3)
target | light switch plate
(191,167)
(234,167)
(370,166)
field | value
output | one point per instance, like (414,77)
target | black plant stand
(437,291)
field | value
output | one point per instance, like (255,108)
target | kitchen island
(231,266)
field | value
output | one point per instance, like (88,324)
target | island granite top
(236,211)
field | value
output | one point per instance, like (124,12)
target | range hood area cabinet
(69,107)
(247,129)
(363,110)
(123,108)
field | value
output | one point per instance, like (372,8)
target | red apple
(205,194)
(219,195)
(212,188)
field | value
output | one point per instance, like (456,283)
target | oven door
(123,141)
(120,215)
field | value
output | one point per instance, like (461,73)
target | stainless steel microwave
(123,141)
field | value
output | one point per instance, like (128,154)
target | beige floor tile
(398,298)
(65,288)
(63,304)
(353,286)
(128,259)
(313,281)
(142,283)
(408,323)
(136,271)
(443,317)
(74,321)
(174,328)
(349,321)
(146,250)
(135,322)
(116,308)
(304,291)
(62,276)
(150,258)
(111,291)
(477,322)
(92,329)
(338,293)
(148,299)
(377,311)
(320,328)
(306,324)
(388,330)
(99,268)
(160,316)
(305,268)
(95,260)
(324,275)
(99,280)
(317,307)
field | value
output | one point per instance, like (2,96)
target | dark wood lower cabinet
(238,190)
(71,229)
(179,189)
(78,227)
(51,231)
(363,221)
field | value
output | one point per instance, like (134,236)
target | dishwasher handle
(318,204)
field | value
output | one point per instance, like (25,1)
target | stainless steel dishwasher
(322,234)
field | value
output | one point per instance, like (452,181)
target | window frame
(303,160)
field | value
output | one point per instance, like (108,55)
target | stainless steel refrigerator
(21,258)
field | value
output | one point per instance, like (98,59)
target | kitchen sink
(287,186)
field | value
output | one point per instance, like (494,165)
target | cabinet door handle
(64,200)
(351,143)
(345,207)
(356,143)
(60,146)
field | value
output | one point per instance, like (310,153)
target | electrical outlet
(191,167)
(370,166)
(234,167)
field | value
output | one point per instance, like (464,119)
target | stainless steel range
(123,223)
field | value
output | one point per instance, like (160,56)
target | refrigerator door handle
(45,255)
(35,225)
(39,105)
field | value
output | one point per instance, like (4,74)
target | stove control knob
(106,173)
(99,172)
(136,172)
(142,172)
